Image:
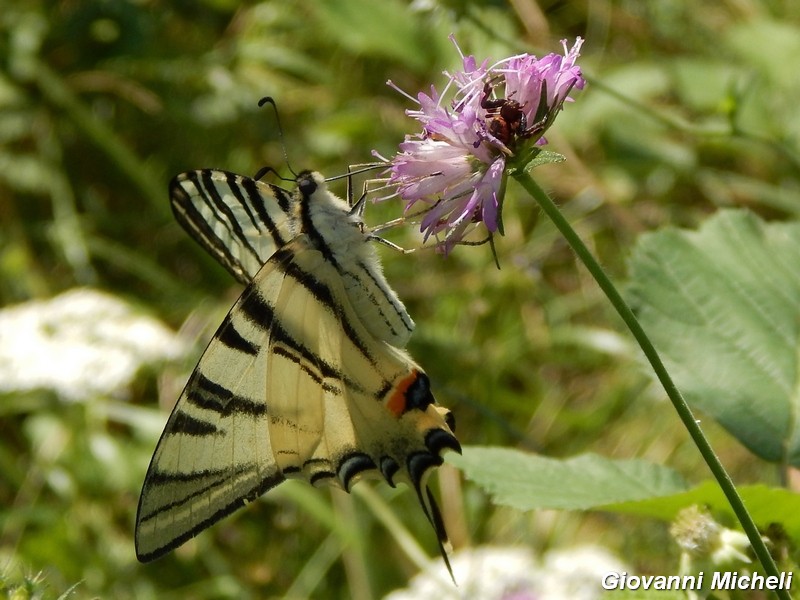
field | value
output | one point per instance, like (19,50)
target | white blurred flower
(497,573)
(80,344)
(702,539)
(577,573)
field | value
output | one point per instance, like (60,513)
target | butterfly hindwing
(305,378)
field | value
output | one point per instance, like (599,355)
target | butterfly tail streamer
(434,515)
(445,547)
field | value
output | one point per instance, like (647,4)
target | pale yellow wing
(292,385)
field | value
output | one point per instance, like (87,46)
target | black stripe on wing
(230,337)
(204,393)
(302,361)
(257,201)
(386,296)
(188,215)
(323,294)
(209,193)
(259,312)
(185,424)
(219,479)
(262,314)
(218,192)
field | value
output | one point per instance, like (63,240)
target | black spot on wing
(418,394)
(438,440)
(389,468)
(351,465)
(450,421)
(417,463)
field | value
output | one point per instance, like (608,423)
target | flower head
(497,115)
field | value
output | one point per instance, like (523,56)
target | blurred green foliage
(689,108)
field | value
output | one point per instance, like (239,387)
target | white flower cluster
(498,573)
(80,344)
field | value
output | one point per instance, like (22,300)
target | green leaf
(528,481)
(532,158)
(545,157)
(722,305)
(766,505)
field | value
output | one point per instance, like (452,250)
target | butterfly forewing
(238,220)
(306,377)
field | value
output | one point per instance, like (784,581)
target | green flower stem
(684,412)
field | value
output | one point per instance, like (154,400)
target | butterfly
(306,377)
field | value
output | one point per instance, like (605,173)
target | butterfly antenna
(270,100)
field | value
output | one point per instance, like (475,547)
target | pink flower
(457,164)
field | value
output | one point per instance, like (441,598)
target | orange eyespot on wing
(411,392)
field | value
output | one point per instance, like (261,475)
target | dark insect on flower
(507,118)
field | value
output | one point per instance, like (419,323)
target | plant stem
(684,412)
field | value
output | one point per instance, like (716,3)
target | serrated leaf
(545,157)
(528,481)
(534,157)
(766,505)
(722,305)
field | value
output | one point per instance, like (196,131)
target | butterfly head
(308,182)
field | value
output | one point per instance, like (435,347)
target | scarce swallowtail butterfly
(307,376)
